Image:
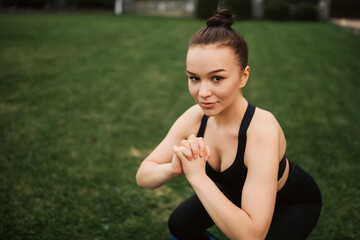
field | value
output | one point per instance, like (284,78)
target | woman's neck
(231,117)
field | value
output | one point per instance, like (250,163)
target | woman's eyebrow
(216,71)
(212,72)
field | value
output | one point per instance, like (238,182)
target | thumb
(178,152)
(207,153)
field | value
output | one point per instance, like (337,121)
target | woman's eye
(218,79)
(194,79)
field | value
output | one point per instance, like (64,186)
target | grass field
(85,97)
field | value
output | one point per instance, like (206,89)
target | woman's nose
(205,90)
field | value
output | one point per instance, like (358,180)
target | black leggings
(297,210)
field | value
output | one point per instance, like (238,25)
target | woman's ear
(244,77)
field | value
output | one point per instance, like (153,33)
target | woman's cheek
(193,92)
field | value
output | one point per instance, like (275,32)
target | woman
(232,153)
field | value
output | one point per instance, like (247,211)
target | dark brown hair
(218,31)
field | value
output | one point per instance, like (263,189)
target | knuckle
(192,142)
(192,136)
(182,148)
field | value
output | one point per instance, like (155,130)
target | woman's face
(215,77)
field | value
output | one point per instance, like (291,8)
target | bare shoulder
(265,139)
(192,113)
(264,123)
(189,122)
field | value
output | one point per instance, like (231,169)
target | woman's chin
(210,111)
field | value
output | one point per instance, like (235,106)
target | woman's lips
(207,104)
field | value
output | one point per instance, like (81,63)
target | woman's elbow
(260,233)
(141,181)
(253,233)
(138,179)
(252,236)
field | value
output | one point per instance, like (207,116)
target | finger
(185,143)
(194,146)
(186,152)
(192,136)
(202,148)
(192,139)
(207,153)
(179,153)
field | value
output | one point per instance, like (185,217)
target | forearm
(231,220)
(153,175)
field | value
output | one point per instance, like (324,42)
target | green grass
(85,97)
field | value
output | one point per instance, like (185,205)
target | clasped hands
(190,157)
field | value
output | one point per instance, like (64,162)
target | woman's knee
(189,222)
(174,225)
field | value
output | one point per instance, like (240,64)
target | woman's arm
(162,164)
(253,219)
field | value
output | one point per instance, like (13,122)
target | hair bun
(222,17)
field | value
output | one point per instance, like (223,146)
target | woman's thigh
(294,221)
(189,220)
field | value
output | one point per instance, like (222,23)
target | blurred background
(89,87)
(244,9)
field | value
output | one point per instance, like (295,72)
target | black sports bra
(235,175)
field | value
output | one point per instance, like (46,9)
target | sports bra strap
(282,167)
(202,126)
(244,124)
(247,119)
